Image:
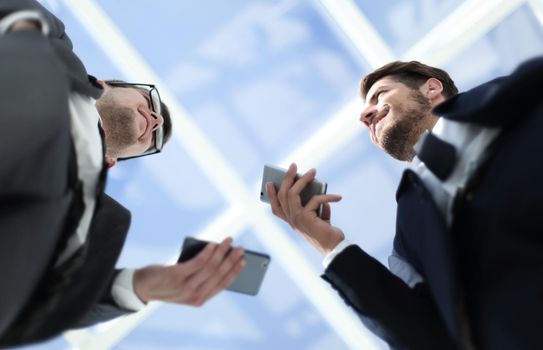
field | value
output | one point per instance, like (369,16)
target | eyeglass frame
(158,133)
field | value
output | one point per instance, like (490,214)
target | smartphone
(251,277)
(276,175)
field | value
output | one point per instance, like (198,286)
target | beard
(398,140)
(118,124)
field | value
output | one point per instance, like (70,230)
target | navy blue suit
(483,275)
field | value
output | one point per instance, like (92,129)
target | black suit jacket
(483,277)
(40,196)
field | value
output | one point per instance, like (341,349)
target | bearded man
(465,271)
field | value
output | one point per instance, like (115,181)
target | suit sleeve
(60,44)
(34,149)
(107,235)
(406,318)
(105,309)
(56,26)
(37,74)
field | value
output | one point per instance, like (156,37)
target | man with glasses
(155,123)
(60,234)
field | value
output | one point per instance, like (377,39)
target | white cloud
(237,41)
(257,27)
(283,31)
(189,76)
(232,322)
(179,176)
(399,18)
(264,102)
(332,68)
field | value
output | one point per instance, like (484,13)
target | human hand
(192,282)
(287,205)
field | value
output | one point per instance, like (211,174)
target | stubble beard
(398,140)
(118,123)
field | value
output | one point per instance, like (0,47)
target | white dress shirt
(88,146)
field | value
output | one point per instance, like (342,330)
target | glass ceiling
(270,81)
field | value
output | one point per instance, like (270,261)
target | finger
(285,187)
(199,277)
(218,256)
(274,201)
(326,212)
(198,262)
(317,200)
(226,265)
(230,277)
(215,282)
(294,199)
(226,280)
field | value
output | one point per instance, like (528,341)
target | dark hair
(165,111)
(413,74)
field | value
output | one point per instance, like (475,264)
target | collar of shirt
(470,141)
(90,158)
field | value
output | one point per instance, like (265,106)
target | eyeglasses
(154,98)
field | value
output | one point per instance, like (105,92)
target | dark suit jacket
(40,196)
(482,276)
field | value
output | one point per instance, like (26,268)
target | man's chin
(398,150)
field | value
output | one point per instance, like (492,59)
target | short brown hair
(413,74)
(164,110)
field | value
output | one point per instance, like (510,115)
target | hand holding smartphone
(251,277)
(276,176)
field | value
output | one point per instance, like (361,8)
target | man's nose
(157,120)
(368,114)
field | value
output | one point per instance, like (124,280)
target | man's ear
(433,89)
(110,162)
